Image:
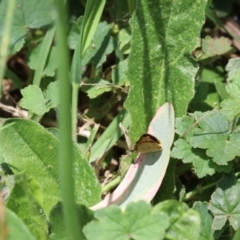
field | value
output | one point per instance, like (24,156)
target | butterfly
(147,143)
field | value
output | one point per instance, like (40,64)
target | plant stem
(65,146)
(6,38)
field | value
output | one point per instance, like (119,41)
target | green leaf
(184,126)
(160,67)
(57,224)
(233,68)
(51,64)
(101,44)
(216,46)
(6,181)
(206,232)
(124,39)
(29,14)
(119,73)
(225,204)
(110,136)
(184,222)
(33,100)
(182,150)
(16,227)
(52,95)
(231,107)
(97,86)
(31,148)
(36,102)
(138,221)
(210,74)
(22,202)
(214,136)
(202,164)
(74,32)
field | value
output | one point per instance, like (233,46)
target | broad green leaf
(206,232)
(57,224)
(29,14)
(160,67)
(29,147)
(139,221)
(22,202)
(213,134)
(16,227)
(225,203)
(184,222)
(33,100)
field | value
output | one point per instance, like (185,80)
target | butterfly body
(147,144)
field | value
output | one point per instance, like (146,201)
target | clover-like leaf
(225,203)
(233,68)
(231,107)
(202,163)
(184,222)
(214,136)
(28,14)
(138,222)
(33,100)
(217,46)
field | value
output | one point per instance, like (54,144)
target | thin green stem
(65,146)
(6,38)
(111,184)
(198,191)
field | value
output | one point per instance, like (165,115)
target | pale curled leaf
(145,175)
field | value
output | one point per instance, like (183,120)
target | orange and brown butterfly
(147,143)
